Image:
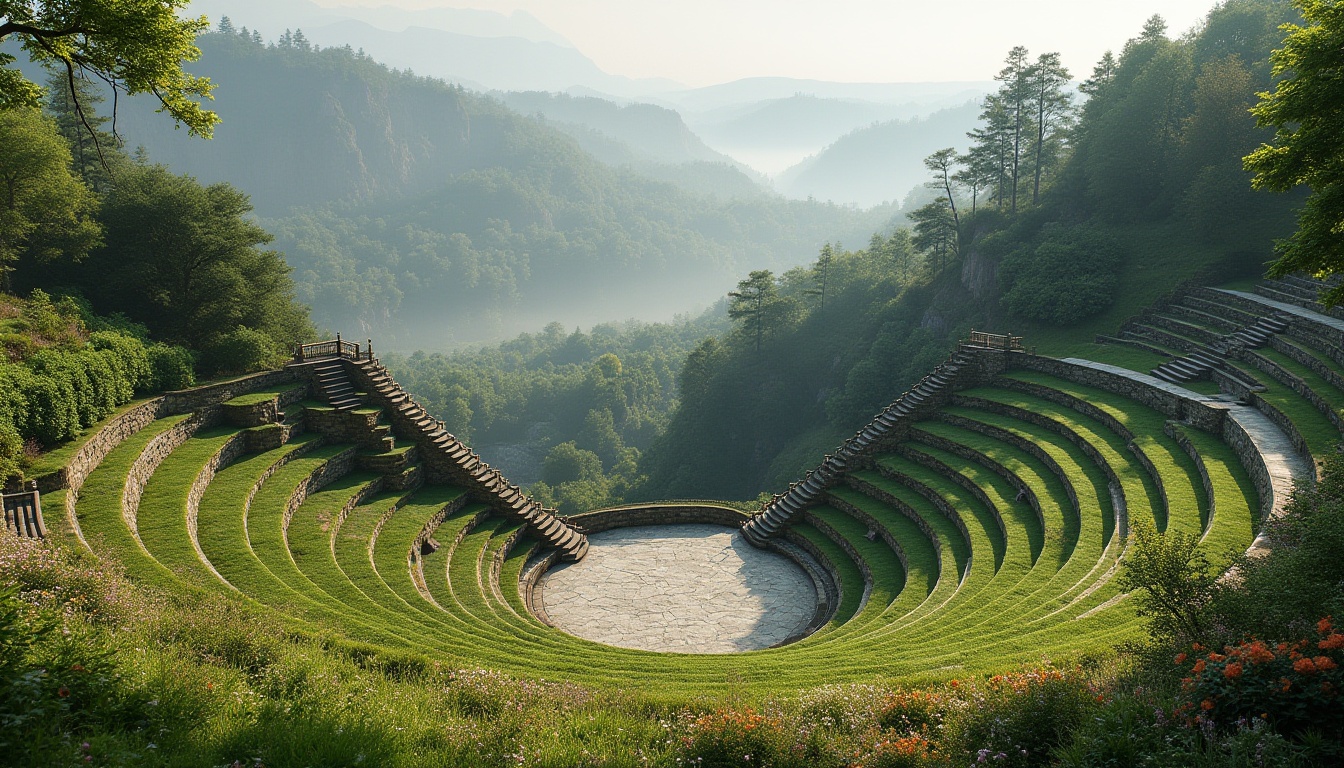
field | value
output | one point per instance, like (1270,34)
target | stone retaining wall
(1304,357)
(656,514)
(1183,440)
(1026,446)
(152,455)
(233,448)
(845,544)
(1175,406)
(332,469)
(1078,440)
(1295,383)
(963,482)
(115,431)
(872,524)
(938,502)
(965,452)
(1235,435)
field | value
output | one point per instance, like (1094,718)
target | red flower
(1180,658)
(1323,626)
(1206,705)
(1324,663)
(1199,666)
(1304,666)
(1333,642)
(1259,653)
(1232,670)
(62,691)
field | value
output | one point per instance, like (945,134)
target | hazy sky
(701,42)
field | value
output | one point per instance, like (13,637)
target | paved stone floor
(687,588)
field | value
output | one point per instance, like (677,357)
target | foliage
(184,260)
(1298,682)
(136,46)
(1304,110)
(46,211)
(170,368)
(1175,579)
(733,737)
(1064,275)
(1020,718)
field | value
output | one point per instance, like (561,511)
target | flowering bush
(1018,719)
(893,751)
(912,712)
(730,737)
(1296,685)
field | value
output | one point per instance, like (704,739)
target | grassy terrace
(1001,512)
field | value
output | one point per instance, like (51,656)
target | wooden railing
(337,347)
(1005,342)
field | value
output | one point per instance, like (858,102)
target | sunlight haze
(702,42)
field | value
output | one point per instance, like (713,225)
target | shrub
(1296,685)
(239,351)
(170,368)
(1019,719)
(1065,275)
(128,358)
(891,750)
(730,737)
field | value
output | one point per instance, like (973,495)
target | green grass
(253,398)
(60,456)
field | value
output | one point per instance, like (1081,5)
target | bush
(1065,275)
(170,368)
(1295,685)
(729,737)
(1019,719)
(240,351)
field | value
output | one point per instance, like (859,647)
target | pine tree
(1015,94)
(72,100)
(1054,112)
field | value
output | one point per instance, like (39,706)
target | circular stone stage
(686,588)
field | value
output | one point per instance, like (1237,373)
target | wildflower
(1323,626)
(63,692)
(1259,653)
(1304,666)
(1216,657)
(1286,684)
(1333,642)
(1324,663)
(1206,705)
(1199,667)
(1232,671)
(1180,658)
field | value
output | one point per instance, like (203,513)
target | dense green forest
(122,279)
(1144,191)
(1118,199)
(426,215)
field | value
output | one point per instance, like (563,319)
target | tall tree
(1102,73)
(992,146)
(1306,111)
(73,103)
(45,211)
(135,46)
(186,261)
(942,165)
(758,303)
(1053,108)
(1015,94)
(935,233)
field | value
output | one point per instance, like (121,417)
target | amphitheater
(977,521)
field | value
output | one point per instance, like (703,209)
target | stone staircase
(1213,356)
(931,391)
(1302,291)
(447,459)
(333,385)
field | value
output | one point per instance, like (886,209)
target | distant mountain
(482,49)
(920,97)
(881,162)
(426,215)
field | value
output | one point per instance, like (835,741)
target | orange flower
(1206,705)
(1304,666)
(1199,666)
(1232,670)
(1324,663)
(1259,653)
(1216,657)
(1180,658)
(1286,684)
(1197,647)
(1323,626)
(1333,642)
(954,683)
(62,691)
